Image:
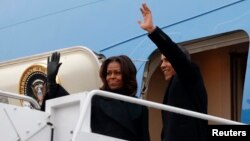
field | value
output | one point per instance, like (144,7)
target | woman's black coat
(119,119)
(113,117)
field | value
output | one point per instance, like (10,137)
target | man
(185,90)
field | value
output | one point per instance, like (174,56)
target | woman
(108,116)
(117,118)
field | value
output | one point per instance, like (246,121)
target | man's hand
(53,67)
(147,24)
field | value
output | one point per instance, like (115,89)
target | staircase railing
(147,104)
(20,97)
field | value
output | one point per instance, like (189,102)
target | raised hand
(53,67)
(147,23)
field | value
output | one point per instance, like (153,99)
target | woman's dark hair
(128,71)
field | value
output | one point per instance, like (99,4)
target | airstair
(68,118)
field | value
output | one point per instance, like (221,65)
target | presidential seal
(33,83)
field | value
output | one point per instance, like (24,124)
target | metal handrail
(147,104)
(20,97)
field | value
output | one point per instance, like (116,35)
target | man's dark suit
(186,90)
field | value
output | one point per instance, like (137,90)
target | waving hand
(53,67)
